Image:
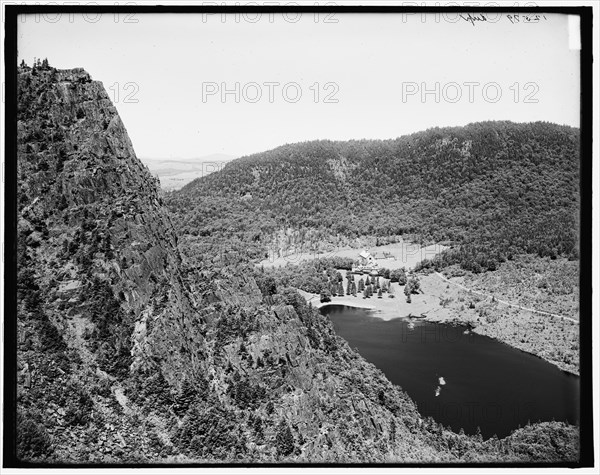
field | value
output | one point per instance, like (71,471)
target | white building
(366,262)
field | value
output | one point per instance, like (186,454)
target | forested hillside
(491,189)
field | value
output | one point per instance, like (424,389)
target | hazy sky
(359,75)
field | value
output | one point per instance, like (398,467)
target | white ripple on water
(441,382)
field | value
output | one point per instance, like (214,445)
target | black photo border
(10,294)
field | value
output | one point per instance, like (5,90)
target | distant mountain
(176,173)
(491,189)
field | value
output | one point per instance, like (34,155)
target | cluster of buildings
(367,264)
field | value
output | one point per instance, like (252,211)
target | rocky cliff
(91,218)
(129,352)
(98,258)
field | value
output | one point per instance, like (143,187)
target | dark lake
(487,383)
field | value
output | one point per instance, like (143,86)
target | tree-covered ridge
(494,188)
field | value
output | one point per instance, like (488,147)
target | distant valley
(176,173)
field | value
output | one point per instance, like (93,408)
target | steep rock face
(102,248)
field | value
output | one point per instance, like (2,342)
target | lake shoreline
(453,322)
(429,306)
(420,355)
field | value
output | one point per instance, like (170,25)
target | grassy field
(402,254)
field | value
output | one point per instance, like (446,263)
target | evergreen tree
(402,277)
(333,289)
(284,440)
(107,248)
(258,429)
(407,290)
(325,296)
(412,286)
(480,437)
(398,275)
(63,204)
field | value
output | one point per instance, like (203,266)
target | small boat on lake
(416,317)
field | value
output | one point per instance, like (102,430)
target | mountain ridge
(494,189)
